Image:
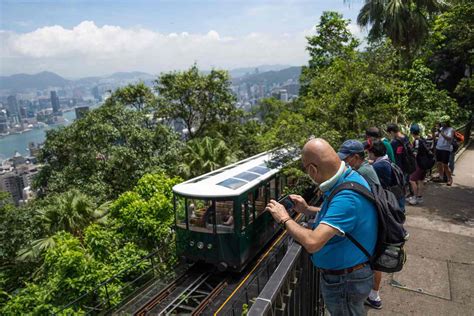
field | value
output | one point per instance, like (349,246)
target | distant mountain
(271,77)
(130,75)
(40,80)
(240,72)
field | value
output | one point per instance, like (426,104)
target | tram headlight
(200,245)
(191,243)
(209,246)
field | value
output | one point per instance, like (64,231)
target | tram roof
(232,180)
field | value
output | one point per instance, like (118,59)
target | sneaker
(412,200)
(419,199)
(373,303)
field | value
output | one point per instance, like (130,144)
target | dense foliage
(106,198)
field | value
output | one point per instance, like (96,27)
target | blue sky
(77,38)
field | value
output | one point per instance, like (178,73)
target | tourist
(417,178)
(373,134)
(404,157)
(444,148)
(353,154)
(345,271)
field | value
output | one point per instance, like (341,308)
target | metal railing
(293,289)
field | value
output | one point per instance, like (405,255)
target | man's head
(352,152)
(377,150)
(415,129)
(393,129)
(320,160)
(373,133)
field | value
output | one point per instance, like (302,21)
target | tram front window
(203,214)
(200,215)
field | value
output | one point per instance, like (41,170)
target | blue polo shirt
(352,213)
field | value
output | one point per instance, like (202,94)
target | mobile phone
(287,203)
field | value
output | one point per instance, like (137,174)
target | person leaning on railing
(345,269)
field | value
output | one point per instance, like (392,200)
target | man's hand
(277,210)
(300,204)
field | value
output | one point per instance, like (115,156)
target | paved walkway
(438,278)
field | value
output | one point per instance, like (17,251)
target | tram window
(260,201)
(200,215)
(251,206)
(273,193)
(281,184)
(180,211)
(225,216)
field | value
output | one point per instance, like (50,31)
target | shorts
(418,175)
(443,156)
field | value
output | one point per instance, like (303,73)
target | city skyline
(84,38)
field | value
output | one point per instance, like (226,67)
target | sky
(89,38)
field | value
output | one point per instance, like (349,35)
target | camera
(287,203)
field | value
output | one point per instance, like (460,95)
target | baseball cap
(350,147)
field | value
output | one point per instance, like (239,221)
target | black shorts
(443,156)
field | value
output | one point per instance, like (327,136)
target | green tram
(220,217)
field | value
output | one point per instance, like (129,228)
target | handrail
(268,296)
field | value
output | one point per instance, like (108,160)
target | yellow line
(253,270)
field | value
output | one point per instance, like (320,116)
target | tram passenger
(345,269)
(228,219)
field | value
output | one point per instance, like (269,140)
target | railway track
(188,294)
(194,291)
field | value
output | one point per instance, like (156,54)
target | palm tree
(71,211)
(405,22)
(205,155)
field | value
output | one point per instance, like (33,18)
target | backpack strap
(359,188)
(354,186)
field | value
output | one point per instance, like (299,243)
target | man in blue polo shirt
(346,278)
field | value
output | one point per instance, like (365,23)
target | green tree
(145,215)
(108,150)
(70,211)
(405,22)
(200,101)
(333,40)
(204,155)
(18,226)
(449,51)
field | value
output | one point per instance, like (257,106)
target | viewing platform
(438,278)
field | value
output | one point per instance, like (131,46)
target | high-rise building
(12,183)
(55,102)
(12,106)
(96,94)
(3,122)
(283,95)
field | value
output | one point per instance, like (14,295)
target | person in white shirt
(444,147)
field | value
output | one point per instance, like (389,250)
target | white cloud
(88,49)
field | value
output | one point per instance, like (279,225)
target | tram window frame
(262,188)
(218,226)
(275,192)
(176,211)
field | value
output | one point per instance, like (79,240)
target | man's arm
(311,240)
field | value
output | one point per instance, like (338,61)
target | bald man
(346,278)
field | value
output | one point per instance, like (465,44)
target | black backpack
(408,158)
(399,183)
(425,157)
(389,255)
